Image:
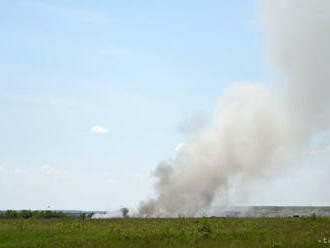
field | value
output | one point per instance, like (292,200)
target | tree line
(27,214)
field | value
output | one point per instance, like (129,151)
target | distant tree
(313,216)
(124,212)
(83,217)
(25,214)
(11,214)
(49,214)
(89,216)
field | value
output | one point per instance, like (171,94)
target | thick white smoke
(256,131)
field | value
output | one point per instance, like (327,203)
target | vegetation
(27,214)
(124,212)
(180,232)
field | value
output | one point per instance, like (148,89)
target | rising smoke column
(256,132)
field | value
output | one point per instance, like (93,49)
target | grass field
(180,232)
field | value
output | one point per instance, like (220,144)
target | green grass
(180,232)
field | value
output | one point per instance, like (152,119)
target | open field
(179,232)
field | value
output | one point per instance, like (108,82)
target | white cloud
(179,147)
(2,169)
(51,171)
(98,129)
(326,150)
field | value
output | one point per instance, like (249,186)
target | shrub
(204,227)
(124,212)
(89,216)
(11,214)
(25,214)
(313,216)
(49,215)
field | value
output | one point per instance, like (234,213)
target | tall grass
(180,232)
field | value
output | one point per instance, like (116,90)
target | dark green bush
(204,227)
(313,216)
(11,214)
(25,214)
(49,214)
(89,216)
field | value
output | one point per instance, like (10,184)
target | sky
(93,94)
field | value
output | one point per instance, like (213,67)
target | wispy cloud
(179,147)
(51,171)
(98,130)
(325,150)
(2,169)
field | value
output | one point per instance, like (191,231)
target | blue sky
(133,70)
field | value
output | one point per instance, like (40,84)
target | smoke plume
(256,131)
